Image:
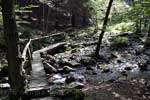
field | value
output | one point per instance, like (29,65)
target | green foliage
(96,9)
(26,32)
(121,27)
(25,9)
(139,12)
(120,41)
(68,93)
(2,41)
(1,19)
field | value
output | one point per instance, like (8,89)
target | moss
(120,42)
(69,93)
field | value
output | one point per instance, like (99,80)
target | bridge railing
(28,50)
(27,57)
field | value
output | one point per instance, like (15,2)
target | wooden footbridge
(34,70)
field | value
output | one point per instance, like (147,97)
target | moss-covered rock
(69,94)
(87,60)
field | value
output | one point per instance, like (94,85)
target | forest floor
(121,72)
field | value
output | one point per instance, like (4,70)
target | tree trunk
(147,42)
(84,20)
(138,26)
(104,28)
(2,41)
(13,52)
(73,20)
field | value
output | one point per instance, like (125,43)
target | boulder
(71,63)
(124,73)
(119,61)
(106,70)
(87,61)
(60,81)
(143,66)
(89,67)
(78,77)
(113,56)
(66,70)
(56,79)
(70,79)
(94,73)
(57,76)
(128,68)
(76,85)
(49,68)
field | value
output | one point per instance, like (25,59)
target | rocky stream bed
(122,73)
(119,74)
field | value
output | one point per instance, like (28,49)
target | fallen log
(44,37)
(49,68)
(53,49)
(69,63)
(84,44)
(121,34)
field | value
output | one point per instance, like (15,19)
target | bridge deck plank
(38,75)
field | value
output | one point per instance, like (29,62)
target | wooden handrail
(46,36)
(27,57)
(24,53)
(52,35)
(27,53)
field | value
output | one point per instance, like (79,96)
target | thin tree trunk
(104,28)
(13,52)
(147,42)
(73,19)
(140,25)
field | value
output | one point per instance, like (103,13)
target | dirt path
(137,89)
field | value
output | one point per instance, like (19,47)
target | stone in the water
(89,68)
(106,70)
(143,66)
(112,56)
(111,80)
(60,81)
(57,76)
(70,79)
(76,85)
(71,63)
(148,62)
(78,77)
(124,73)
(49,68)
(127,68)
(147,52)
(66,70)
(119,61)
(54,77)
(143,81)
(138,52)
(94,73)
(87,61)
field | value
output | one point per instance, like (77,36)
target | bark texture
(13,52)
(104,27)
